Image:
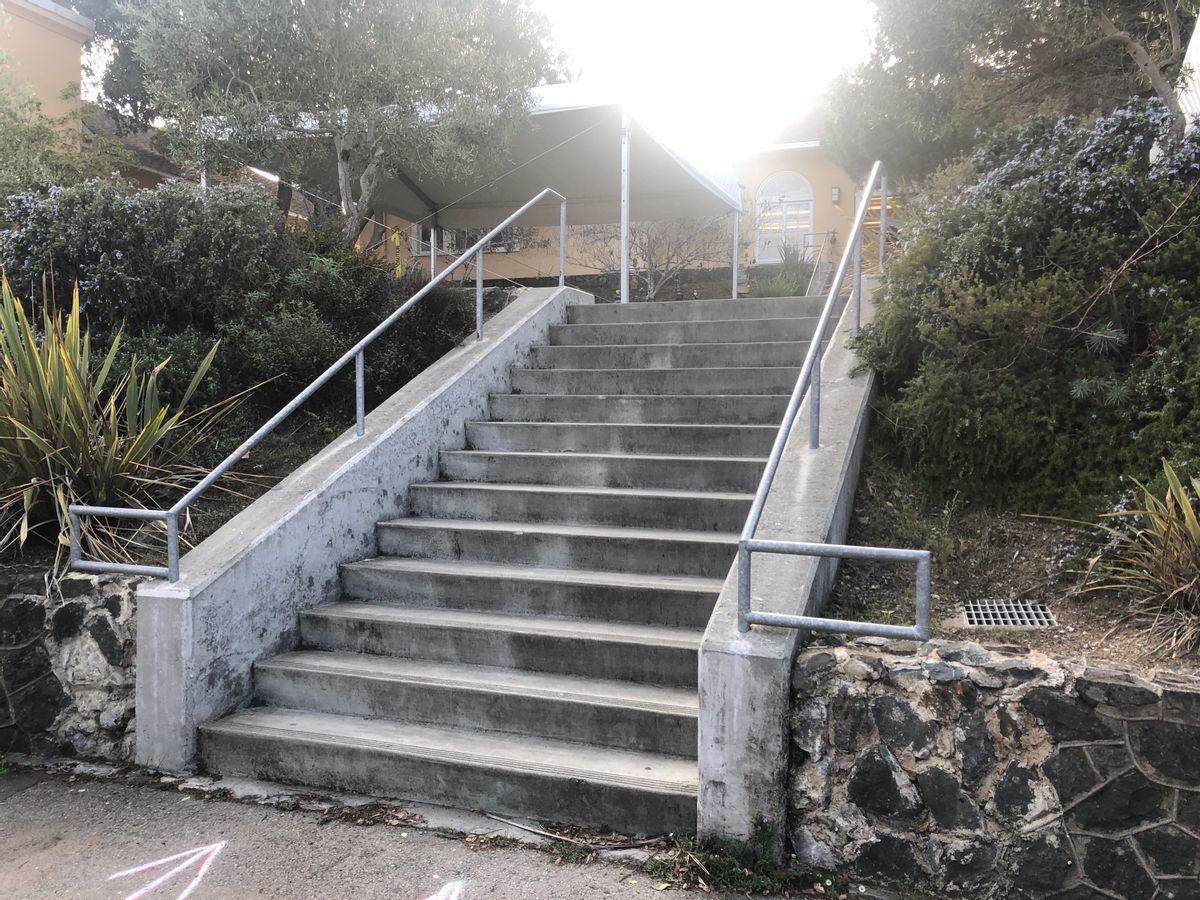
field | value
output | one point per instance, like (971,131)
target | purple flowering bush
(1040,335)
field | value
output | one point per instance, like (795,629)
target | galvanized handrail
(171,516)
(810,381)
(816,263)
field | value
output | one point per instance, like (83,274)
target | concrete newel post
(745,679)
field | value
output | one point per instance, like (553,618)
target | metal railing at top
(817,260)
(810,382)
(171,516)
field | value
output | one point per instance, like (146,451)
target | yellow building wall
(822,174)
(42,51)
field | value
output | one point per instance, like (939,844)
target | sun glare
(713,79)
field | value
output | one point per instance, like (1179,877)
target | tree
(365,89)
(38,152)
(943,72)
(111,62)
(658,251)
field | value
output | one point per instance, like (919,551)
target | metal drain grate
(1008,614)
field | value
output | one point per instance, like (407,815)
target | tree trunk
(1150,71)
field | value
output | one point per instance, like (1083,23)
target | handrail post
(814,404)
(172,547)
(743,586)
(562,244)
(360,395)
(883,200)
(856,291)
(733,269)
(479,294)
(433,250)
(76,537)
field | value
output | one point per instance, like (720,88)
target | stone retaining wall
(67,665)
(995,772)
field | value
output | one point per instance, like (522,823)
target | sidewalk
(64,839)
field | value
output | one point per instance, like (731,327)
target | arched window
(784,216)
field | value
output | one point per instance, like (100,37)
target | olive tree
(341,94)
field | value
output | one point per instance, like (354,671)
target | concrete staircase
(526,641)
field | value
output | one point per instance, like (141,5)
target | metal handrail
(816,263)
(810,382)
(171,516)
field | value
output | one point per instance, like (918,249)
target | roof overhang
(574,148)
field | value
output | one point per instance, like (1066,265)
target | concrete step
(670,356)
(590,649)
(737,380)
(684,409)
(696,310)
(656,551)
(620,714)
(573,505)
(622,437)
(707,332)
(710,473)
(670,600)
(507,774)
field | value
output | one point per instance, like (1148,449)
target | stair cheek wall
(527,640)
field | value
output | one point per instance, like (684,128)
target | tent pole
(737,216)
(433,249)
(625,125)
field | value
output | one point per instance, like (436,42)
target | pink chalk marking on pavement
(202,855)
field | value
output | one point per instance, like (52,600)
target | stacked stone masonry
(67,665)
(955,769)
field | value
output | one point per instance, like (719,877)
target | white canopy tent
(609,167)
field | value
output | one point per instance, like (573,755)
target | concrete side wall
(745,679)
(241,590)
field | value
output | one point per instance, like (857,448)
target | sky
(713,79)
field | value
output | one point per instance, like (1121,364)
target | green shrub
(1039,336)
(1152,557)
(73,429)
(781,285)
(176,268)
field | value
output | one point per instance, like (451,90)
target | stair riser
(736,475)
(563,655)
(668,381)
(505,595)
(696,311)
(371,770)
(747,330)
(709,440)
(670,356)
(682,410)
(458,707)
(657,557)
(688,513)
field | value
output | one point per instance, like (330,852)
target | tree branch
(1141,56)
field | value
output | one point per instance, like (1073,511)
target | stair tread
(706,345)
(545,626)
(679,397)
(709,301)
(732,321)
(490,679)
(485,749)
(583,577)
(739,370)
(699,425)
(761,460)
(597,531)
(566,489)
